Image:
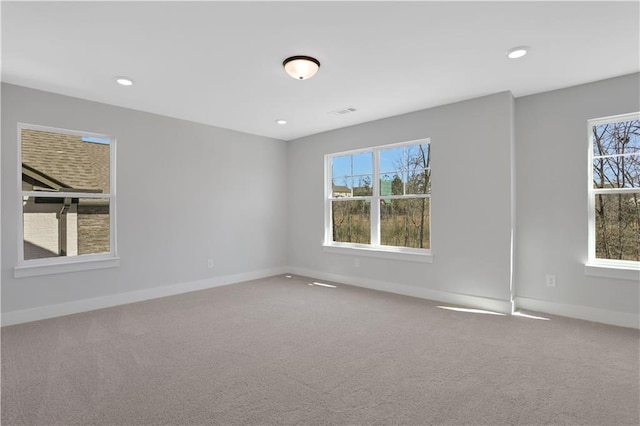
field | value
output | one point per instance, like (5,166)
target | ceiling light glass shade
(517,52)
(301,67)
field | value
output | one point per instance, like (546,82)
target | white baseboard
(77,306)
(622,319)
(495,305)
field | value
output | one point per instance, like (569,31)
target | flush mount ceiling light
(124,81)
(281,121)
(301,67)
(517,52)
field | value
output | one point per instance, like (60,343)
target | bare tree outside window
(387,205)
(616,190)
(405,221)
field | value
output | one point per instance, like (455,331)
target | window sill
(612,271)
(60,268)
(381,252)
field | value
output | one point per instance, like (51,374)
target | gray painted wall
(186,192)
(551,166)
(471,145)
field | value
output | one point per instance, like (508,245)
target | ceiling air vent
(343,111)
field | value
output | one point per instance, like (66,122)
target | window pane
(362,186)
(363,163)
(93,226)
(351,221)
(419,182)
(405,223)
(341,166)
(617,226)
(391,160)
(56,161)
(391,184)
(616,138)
(417,157)
(341,187)
(65,226)
(617,172)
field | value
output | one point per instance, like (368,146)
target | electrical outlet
(356,262)
(210,263)
(551,280)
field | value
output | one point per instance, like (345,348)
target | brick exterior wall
(93,229)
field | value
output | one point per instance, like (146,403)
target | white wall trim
(495,305)
(84,305)
(73,265)
(613,271)
(381,252)
(622,319)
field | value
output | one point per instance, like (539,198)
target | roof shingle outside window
(67,159)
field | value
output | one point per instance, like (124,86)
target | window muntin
(67,202)
(614,191)
(380,197)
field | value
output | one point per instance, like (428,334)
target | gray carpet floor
(279,351)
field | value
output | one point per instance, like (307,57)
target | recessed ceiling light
(281,121)
(124,81)
(517,52)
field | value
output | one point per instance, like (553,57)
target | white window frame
(62,264)
(607,268)
(375,249)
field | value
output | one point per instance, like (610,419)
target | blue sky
(96,140)
(390,161)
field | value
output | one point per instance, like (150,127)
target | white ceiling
(220,63)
